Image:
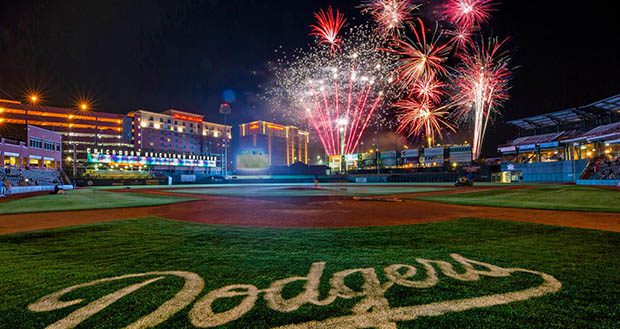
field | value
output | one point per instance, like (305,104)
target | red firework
(328,26)
(390,15)
(482,83)
(419,58)
(460,38)
(468,14)
(417,118)
(428,89)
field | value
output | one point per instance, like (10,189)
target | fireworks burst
(418,58)
(417,118)
(481,86)
(460,38)
(328,26)
(428,89)
(468,14)
(390,15)
(340,85)
(338,95)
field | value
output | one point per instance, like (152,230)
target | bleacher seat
(30,177)
(602,168)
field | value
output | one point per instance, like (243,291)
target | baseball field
(295,256)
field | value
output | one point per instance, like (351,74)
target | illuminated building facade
(80,130)
(264,144)
(178,132)
(38,149)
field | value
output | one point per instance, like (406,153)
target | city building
(80,129)
(263,144)
(176,133)
(36,148)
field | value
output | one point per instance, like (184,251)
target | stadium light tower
(225,110)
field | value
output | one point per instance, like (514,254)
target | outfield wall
(543,172)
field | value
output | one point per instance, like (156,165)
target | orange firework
(419,58)
(417,118)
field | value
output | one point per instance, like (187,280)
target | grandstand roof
(611,104)
(537,139)
(609,131)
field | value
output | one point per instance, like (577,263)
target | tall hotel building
(277,145)
(80,130)
(178,132)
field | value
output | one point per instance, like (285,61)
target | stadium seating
(602,168)
(30,177)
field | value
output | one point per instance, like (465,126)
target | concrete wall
(556,172)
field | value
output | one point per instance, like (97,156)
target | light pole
(72,143)
(83,107)
(226,110)
(33,102)
(342,125)
(378,154)
(33,98)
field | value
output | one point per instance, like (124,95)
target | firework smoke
(339,95)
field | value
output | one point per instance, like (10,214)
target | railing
(12,142)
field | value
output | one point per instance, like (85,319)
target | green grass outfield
(586,262)
(554,197)
(309,190)
(84,199)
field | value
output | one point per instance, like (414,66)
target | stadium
(579,145)
(400,166)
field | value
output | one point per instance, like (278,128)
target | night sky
(160,54)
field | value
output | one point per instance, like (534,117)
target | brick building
(36,148)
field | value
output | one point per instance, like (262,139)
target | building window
(35,143)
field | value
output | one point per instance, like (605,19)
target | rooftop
(577,114)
